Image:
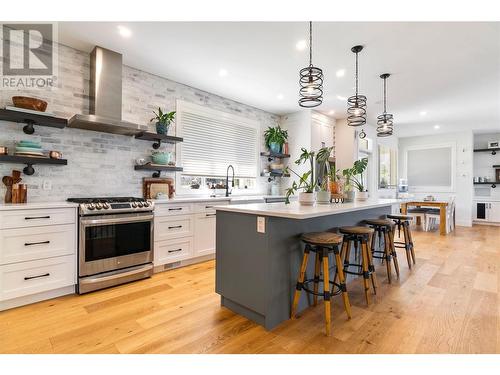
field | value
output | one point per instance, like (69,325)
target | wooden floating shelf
(31,119)
(158,138)
(274,174)
(30,161)
(157,169)
(492,183)
(274,155)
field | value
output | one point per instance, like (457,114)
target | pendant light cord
(385,96)
(310,42)
(356,74)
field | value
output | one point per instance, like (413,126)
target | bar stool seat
(322,238)
(400,217)
(356,230)
(322,243)
(385,222)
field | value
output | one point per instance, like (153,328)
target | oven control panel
(105,207)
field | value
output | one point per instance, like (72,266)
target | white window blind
(214,139)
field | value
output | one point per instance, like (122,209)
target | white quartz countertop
(233,198)
(36,205)
(295,211)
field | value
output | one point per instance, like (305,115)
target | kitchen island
(259,251)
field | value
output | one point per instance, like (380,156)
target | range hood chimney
(105,101)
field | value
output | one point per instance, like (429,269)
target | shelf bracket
(493,186)
(29,128)
(156,174)
(493,152)
(28,170)
(157,144)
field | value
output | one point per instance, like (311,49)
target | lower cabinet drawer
(35,218)
(25,278)
(25,244)
(169,251)
(168,227)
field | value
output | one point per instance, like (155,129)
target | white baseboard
(33,298)
(486,223)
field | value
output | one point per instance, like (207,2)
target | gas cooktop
(106,205)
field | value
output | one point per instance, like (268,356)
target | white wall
(463,188)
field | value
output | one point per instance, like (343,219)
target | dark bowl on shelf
(29,103)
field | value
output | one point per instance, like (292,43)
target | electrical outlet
(47,185)
(261,224)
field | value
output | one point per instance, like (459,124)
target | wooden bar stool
(359,235)
(383,228)
(403,221)
(322,243)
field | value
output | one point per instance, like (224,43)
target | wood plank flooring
(449,303)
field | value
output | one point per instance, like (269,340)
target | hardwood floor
(449,303)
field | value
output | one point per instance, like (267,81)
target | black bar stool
(403,221)
(359,235)
(384,229)
(322,243)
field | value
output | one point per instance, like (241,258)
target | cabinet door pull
(174,251)
(175,209)
(36,217)
(210,214)
(35,243)
(175,226)
(36,277)
(209,206)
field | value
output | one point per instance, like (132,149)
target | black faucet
(227,180)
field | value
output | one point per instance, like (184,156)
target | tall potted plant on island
(322,158)
(275,138)
(163,120)
(352,181)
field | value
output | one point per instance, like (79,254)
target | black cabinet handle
(210,214)
(35,243)
(36,217)
(209,206)
(174,251)
(36,277)
(175,226)
(175,209)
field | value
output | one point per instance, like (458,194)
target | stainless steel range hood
(105,102)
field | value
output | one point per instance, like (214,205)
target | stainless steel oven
(115,244)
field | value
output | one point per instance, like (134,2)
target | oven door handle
(116,220)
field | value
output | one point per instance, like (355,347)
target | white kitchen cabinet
(322,134)
(37,254)
(494,212)
(168,227)
(170,251)
(204,234)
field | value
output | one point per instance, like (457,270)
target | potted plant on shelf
(352,181)
(275,138)
(323,195)
(163,120)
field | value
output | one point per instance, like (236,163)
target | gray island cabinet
(258,252)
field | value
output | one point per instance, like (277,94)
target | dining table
(441,205)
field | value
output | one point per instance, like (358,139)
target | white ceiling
(449,70)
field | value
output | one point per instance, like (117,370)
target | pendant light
(356,105)
(311,81)
(385,120)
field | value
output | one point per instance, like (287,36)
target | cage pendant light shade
(356,104)
(310,81)
(385,124)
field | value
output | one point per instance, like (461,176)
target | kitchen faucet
(227,180)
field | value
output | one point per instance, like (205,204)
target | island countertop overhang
(296,211)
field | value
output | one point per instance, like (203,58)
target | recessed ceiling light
(124,31)
(280,96)
(436,127)
(223,72)
(301,45)
(332,112)
(339,97)
(423,113)
(340,73)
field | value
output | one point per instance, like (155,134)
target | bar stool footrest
(338,288)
